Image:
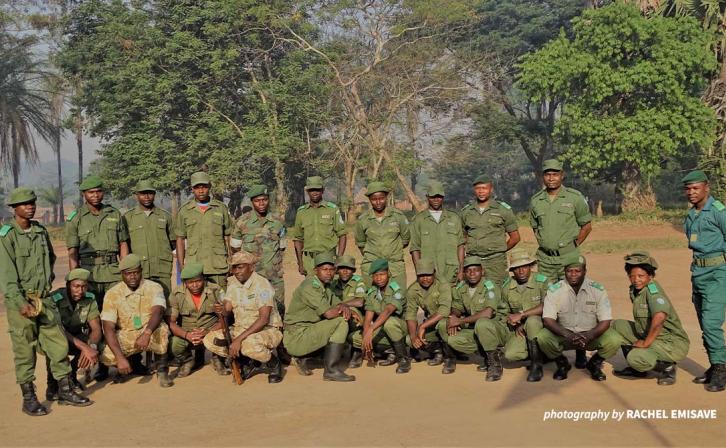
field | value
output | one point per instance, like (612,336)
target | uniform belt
(99,259)
(710,262)
(560,251)
(310,253)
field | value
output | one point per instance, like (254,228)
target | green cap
(257,190)
(378,266)
(472,261)
(78,274)
(200,177)
(435,189)
(694,176)
(21,195)
(91,182)
(345,261)
(323,258)
(520,257)
(130,261)
(376,187)
(573,259)
(425,266)
(314,183)
(144,185)
(192,270)
(640,257)
(551,165)
(482,179)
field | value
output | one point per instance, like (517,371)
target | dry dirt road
(423,408)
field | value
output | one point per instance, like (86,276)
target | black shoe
(718,378)
(594,366)
(220,366)
(31,405)
(705,378)
(356,359)
(101,373)
(401,355)
(51,390)
(563,366)
(302,366)
(666,373)
(252,368)
(449,359)
(333,353)
(66,394)
(438,357)
(580,359)
(274,369)
(628,372)
(535,359)
(185,368)
(389,360)
(494,359)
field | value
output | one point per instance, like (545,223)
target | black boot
(101,373)
(137,367)
(274,368)
(333,353)
(666,373)
(162,371)
(628,372)
(253,368)
(705,378)
(494,359)
(434,348)
(563,366)
(483,364)
(580,358)
(302,366)
(185,367)
(449,359)
(535,359)
(66,394)
(220,365)
(594,366)
(718,378)
(31,405)
(401,354)
(390,358)
(51,390)
(356,359)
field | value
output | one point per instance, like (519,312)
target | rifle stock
(234,362)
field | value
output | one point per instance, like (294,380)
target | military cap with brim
(483,179)
(520,257)
(78,274)
(376,187)
(144,185)
(551,165)
(573,259)
(257,190)
(472,261)
(694,177)
(90,183)
(242,257)
(435,189)
(640,258)
(21,195)
(378,266)
(192,270)
(425,266)
(323,258)
(200,177)
(345,261)
(130,261)
(314,183)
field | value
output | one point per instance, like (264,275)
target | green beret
(192,270)
(482,179)
(520,257)
(435,189)
(345,261)
(314,183)
(91,182)
(472,261)
(378,266)
(323,258)
(257,190)
(551,165)
(200,177)
(21,195)
(425,266)
(639,258)
(376,187)
(78,274)
(694,176)
(573,259)
(130,261)
(144,185)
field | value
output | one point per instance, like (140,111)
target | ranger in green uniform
(706,231)
(655,339)
(490,228)
(474,321)
(205,225)
(382,232)
(26,275)
(314,320)
(437,234)
(348,288)
(433,296)
(96,238)
(522,303)
(151,236)
(319,228)
(259,232)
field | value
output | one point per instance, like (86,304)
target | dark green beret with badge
(694,177)
(640,258)
(21,195)
(90,183)
(257,190)
(192,270)
(378,266)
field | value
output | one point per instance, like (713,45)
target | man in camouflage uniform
(348,287)
(26,275)
(382,232)
(203,226)
(437,234)
(262,234)
(192,317)
(319,228)
(133,321)
(490,228)
(151,236)
(257,324)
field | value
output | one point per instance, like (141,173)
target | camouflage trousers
(126,339)
(257,346)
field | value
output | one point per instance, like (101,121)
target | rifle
(234,362)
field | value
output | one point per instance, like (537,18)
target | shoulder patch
(394,286)
(356,277)
(718,205)
(555,286)
(90,295)
(57,297)
(331,205)
(597,285)
(467,206)
(505,205)
(72,215)
(460,285)
(653,288)
(489,284)
(507,281)
(316,283)
(540,278)
(5,229)
(302,207)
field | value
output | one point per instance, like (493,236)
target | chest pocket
(566,211)
(641,311)
(108,227)
(216,222)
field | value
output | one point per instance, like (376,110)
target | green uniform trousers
(279,286)
(303,340)
(43,334)
(181,349)
(644,359)
(516,347)
(393,330)
(99,289)
(552,266)
(489,333)
(495,267)
(308,257)
(552,345)
(709,298)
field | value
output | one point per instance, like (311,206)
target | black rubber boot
(302,366)
(435,349)
(137,367)
(101,373)
(31,405)
(628,372)
(185,367)
(356,359)
(718,378)
(580,358)
(274,368)
(705,378)
(401,354)
(494,359)
(563,366)
(666,373)
(333,353)
(162,371)
(253,368)
(449,359)
(220,365)
(535,362)
(66,394)
(594,366)
(390,358)
(483,364)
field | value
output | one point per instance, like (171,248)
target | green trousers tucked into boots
(552,345)
(671,349)
(301,340)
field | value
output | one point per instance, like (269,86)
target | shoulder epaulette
(331,205)
(489,284)
(653,288)
(356,277)
(555,286)
(505,205)
(5,229)
(72,215)
(459,285)
(57,297)
(394,286)
(90,295)
(572,190)
(316,283)
(597,285)
(540,278)
(302,207)
(467,206)
(718,205)
(507,281)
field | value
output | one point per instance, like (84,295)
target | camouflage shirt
(263,236)
(131,310)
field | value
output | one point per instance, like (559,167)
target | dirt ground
(423,408)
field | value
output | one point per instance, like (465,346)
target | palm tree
(57,88)
(51,196)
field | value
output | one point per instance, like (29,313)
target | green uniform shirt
(706,232)
(26,262)
(205,234)
(646,303)
(309,302)
(319,228)
(352,289)
(392,295)
(151,239)
(185,313)
(486,295)
(557,223)
(263,236)
(97,238)
(435,300)
(516,300)
(486,230)
(382,239)
(75,316)
(438,241)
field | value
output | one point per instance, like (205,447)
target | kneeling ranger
(349,288)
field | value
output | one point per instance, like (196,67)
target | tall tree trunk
(349,171)
(57,149)
(281,194)
(15,157)
(635,198)
(78,127)
(175,200)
